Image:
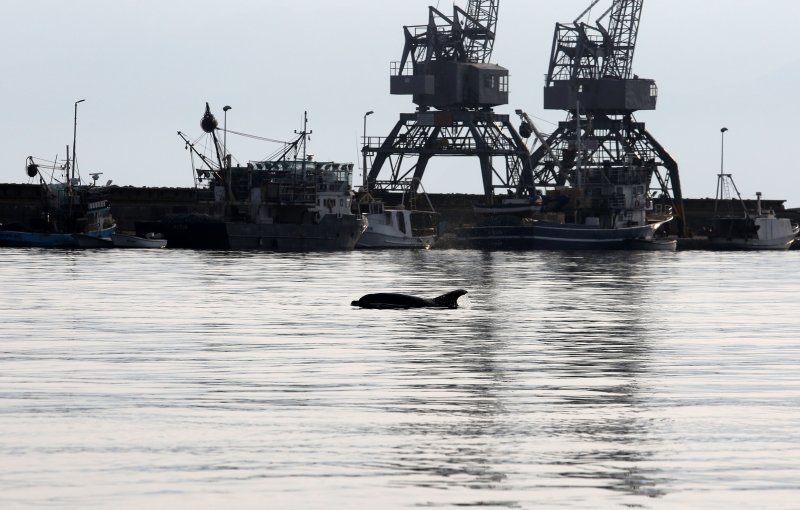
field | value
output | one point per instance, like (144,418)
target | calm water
(179,379)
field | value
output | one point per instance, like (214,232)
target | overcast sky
(147,67)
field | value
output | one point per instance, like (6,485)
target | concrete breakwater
(20,202)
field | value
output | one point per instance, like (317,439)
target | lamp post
(74,141)
(721,168)
(364,152)
(722,151)
(225,134)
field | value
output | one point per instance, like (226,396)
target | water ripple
(570,380)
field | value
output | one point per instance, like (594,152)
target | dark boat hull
(553,236)
(188,233)
(22,239)
(330,234)
(16,239)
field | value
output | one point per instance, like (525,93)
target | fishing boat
(592,202)
(398,226)
(761,230)
(551,235)
(288,202)
(72,214)
(610,210)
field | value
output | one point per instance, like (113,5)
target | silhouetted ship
(72,214)
(283,204)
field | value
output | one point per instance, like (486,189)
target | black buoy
(33,170)
(525,130)
(209,122)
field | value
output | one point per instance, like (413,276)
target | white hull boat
(129,241)
(397,227)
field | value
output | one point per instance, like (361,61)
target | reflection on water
(572,380)
(550,365)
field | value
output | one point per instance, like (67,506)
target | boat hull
(742,244)
(128,241)
(654,244)
(17,239)
(332,233)
(22,239)
(377,240)
(554,236)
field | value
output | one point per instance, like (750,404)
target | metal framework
(466,36)
(583,51)
(446,66)
(418,137)
(601,144)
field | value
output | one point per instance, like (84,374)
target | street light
(74,140)
(722,151)
(721,177)
(225,134)
(364,152)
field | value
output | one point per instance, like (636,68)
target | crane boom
(479,30)
(622,32)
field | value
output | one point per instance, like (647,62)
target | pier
(130,204)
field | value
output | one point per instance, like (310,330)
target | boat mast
(303,136)
(303,140)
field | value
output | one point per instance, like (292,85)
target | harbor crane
(601,145)
(446,68)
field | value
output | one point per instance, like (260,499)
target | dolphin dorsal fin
(449,300)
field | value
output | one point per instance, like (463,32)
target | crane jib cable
(254,137)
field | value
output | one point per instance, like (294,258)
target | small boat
(760,231)
(151,240)
(396,226)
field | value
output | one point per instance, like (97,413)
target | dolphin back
(404,301)
(390,301)
(449,300)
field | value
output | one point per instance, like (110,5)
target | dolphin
(388,301)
